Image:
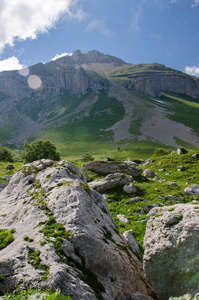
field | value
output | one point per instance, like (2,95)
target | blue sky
(138,31)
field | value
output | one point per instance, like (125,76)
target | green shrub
(87,157)
(5,154)
(39,149)
(6,237)
(160,152)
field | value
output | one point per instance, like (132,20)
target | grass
(183,109)
(26,294)
(152,192)
(6,237)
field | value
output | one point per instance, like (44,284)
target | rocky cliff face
(152,85)
(65,237)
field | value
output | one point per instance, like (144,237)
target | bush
(87,157)
(5,154)
(40,149)
(160,152)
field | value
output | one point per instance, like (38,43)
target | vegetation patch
(35,261)
(6,237)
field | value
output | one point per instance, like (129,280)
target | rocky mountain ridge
(59,92)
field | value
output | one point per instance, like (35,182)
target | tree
(5,154)
(40,149)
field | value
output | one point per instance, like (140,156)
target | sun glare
(35,82)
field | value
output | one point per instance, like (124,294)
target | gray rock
(173,197)
(128,235)
(94,246)
(195,156)
(123,219)
(174,184)
(130,188)
(131,163)
(7,177)
(2,185)
(10,167)
(109,182)
(111,167)
(149,173)
(181,151)
(192,189)
(171,250)
(148,162)
(135,199)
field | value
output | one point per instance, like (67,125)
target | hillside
(92,98)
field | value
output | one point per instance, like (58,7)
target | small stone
(149,173)
(130,188)
(10,167)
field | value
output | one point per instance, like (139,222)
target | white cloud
(22,19)
(11,63)
(136,18)
(196,3)
(173,1)
(61,55)
(99,25)
(192,70)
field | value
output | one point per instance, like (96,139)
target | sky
(137,31)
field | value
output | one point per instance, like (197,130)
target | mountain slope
(96,98)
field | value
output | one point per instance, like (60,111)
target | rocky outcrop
(111,167)
(109,182)
(65,237)
(171,250)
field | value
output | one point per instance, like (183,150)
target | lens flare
(24,72)
(35,82)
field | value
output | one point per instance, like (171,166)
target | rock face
(171,244)
(111,167)
(65,237)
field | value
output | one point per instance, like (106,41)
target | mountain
(98,98)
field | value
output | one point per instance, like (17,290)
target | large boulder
(111,167)
(109,182)
(65,238)
(171,259)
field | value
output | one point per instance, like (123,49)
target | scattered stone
(130,188)
(123,219)
(135,199)
(156,178)
(149,207)
(148,162)
(174,197)
(107,159)
(181,150)
(195,156)
(162,181)
(161,170)
(10,167)
(174,184)
(128,235)
(111,167)
(149,173)
(38,165)
(192,189)
(171,250)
